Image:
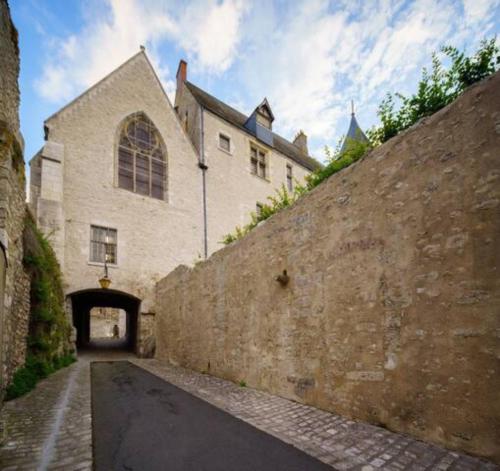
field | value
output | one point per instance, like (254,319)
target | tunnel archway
(85,300)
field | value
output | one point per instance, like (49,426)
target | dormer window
(260,122)
(263,114)
(263,118)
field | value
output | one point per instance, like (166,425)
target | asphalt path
(142,423)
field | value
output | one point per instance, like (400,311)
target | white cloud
(208,32)
(477,10)
(315,58)
(310,58)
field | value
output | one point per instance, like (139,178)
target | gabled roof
(87,92)
(234,117)
(266,107)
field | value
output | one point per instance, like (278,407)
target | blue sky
(309,58)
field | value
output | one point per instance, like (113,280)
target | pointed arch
(142,157)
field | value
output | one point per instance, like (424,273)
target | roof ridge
(312,161)
(217,99)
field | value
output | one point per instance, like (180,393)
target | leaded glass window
(142,158)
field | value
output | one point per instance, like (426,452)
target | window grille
(103,244)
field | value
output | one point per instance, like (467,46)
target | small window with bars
(224,143)
(289,177)
(103,244)
(258,165)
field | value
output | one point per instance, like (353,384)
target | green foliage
(282,199)
(25,378)
(24,381)
(48,324)
(49,330)
(337,161)
(243,383)
(436,89)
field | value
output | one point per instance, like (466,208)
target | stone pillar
(46,190)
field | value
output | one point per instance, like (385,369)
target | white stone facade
(232,190)
(74,185)
(78,187)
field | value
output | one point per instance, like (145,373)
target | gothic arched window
(142,157)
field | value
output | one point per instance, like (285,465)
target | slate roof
(234,117)
(355,133)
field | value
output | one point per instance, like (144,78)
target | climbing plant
(49,330)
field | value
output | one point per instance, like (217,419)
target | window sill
(225,151)
(264,179)
(140,195)
(101,264)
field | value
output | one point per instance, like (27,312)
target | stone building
(128,181)
(243,161)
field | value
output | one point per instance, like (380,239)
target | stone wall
(14,282)
(9,65)
(391,312)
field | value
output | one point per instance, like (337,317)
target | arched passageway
(83,303)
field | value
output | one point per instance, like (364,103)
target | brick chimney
(181,78)
(301,142)
(181,72)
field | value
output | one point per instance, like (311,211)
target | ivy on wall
(49,331)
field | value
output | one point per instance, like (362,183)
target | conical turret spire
(354,133)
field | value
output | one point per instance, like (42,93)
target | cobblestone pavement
(335,440)
(50,427)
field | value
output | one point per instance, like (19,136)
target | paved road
(141,422)
(51,425)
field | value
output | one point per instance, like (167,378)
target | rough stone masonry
(14,280)
(392,311)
